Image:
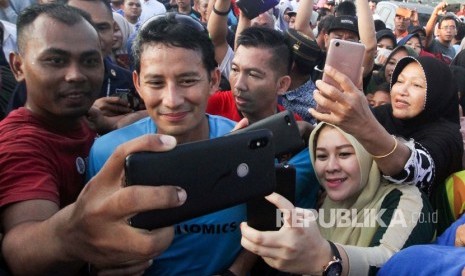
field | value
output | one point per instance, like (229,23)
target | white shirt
(9,38)
(11,13)
(150,8)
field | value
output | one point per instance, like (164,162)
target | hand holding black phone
(263,215)
(216,174)
(252,8)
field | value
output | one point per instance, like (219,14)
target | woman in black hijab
(426,145)
(436,127)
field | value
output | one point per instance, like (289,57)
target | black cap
(306,51)
(386,33)
(344,22)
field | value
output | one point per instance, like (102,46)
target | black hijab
(437,127)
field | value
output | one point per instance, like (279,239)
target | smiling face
(175,86)
(62,66)
(117,37)
(408,94)
(336,165)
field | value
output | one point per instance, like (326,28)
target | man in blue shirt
(175,74)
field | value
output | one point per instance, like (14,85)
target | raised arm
(430,25)
(302,19)
(350,111)
(218,27)
(242,24)
(366,29)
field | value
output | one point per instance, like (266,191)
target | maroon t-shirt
(39,162)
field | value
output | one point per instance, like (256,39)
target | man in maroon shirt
(259,73)
(50,226)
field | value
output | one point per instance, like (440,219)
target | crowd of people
(379,181)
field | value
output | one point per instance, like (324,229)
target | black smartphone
(252,8)
(263,215)
(131,98)
(286,135)
(216,174)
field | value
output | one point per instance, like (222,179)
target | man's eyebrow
(251,69)
(62,52)
(56,51)
(102,24)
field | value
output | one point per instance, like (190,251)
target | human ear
(136,81)
(215,79)
(283,84)
(16,63)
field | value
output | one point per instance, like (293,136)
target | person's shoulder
(115,70)
(219,101)
(17,123)
(407,198)
(296,116)
(219,125)
(222,95)
(301,157)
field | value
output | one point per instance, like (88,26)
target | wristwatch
(334,267)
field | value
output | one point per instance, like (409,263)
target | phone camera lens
(259,143)
(288,120)
(337,44)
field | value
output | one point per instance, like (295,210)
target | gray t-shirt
(438,47)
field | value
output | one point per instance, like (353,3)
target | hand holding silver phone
(347,58)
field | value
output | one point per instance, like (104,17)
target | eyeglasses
(134,4)
(448,28)
(173,16)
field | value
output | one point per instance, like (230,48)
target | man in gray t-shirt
(446,31)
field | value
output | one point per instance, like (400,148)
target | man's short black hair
(345,8)
(265,38)
(175,30)
(324,23)
(59,12)
(447,17)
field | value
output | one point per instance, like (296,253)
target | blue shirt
(307,186)
(202,246)
(441,258)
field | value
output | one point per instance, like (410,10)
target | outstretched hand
(348,109)
(96,228)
